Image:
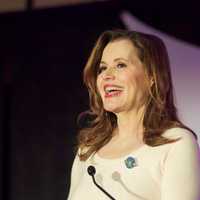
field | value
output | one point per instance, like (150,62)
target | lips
(112,90)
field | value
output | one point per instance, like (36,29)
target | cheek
(141,84)
(136,81)
(98,84)
(130,79)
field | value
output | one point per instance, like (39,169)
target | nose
(109,74)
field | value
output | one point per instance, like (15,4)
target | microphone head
(91,170)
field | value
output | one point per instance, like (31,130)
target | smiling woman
(122,76)
(136,144)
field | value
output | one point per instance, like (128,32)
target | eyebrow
(115,60)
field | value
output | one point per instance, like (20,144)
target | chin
(113,109)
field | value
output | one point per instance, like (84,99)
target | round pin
(130,162)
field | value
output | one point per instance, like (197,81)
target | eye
(101,69)
(121,65)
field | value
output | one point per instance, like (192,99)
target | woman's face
(121,80)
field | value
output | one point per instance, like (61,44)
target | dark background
(42,55)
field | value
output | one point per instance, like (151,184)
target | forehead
(120,48)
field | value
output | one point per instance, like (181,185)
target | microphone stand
(102,188)
(91,171)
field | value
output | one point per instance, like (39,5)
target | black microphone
(91,171)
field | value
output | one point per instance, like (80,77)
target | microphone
(91,171)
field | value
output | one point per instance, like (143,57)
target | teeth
(110,89)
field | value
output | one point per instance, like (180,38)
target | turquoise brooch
(130,162)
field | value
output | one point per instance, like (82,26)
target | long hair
(160,113)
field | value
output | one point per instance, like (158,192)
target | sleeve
(181,177)
(76,172)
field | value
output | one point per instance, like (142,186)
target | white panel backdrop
(185,67)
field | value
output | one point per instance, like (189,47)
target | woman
(135,143)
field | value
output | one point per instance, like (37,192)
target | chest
(135,184)
(118,149)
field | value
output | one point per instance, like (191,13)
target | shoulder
(78,165)
(180,133)
(181,165)
(187,144)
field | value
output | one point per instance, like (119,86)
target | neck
(130,124)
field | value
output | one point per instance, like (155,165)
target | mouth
(112,90)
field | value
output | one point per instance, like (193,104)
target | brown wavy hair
(160,113)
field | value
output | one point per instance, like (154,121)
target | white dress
(166,172)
